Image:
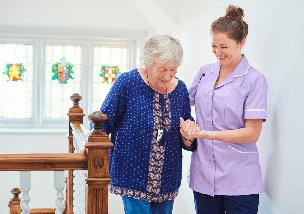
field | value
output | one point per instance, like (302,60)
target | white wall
(274,46)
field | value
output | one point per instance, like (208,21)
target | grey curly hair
(166,47)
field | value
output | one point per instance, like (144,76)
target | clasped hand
(189,129)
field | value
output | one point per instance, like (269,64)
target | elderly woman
(144,106)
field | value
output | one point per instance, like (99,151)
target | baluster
(59,182)
(25,186)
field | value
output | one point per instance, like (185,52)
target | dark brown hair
(232,24)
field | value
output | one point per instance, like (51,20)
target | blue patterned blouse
(145,164)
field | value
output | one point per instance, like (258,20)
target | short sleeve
(193,87)
(115,104)
(256,102)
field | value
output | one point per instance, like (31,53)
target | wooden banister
(95,159)
(43,162)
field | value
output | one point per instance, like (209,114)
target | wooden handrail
(43,162)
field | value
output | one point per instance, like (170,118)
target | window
(57,95)
(41,101)
(16,96)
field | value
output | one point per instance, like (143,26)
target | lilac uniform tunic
(225,168)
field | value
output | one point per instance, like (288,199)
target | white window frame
(87,44)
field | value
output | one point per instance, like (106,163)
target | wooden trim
(98,167)
(43,211)
(14,204)
(75,116)
(43,162)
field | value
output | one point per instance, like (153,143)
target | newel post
(75,115)
(14,203)
(98,166)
